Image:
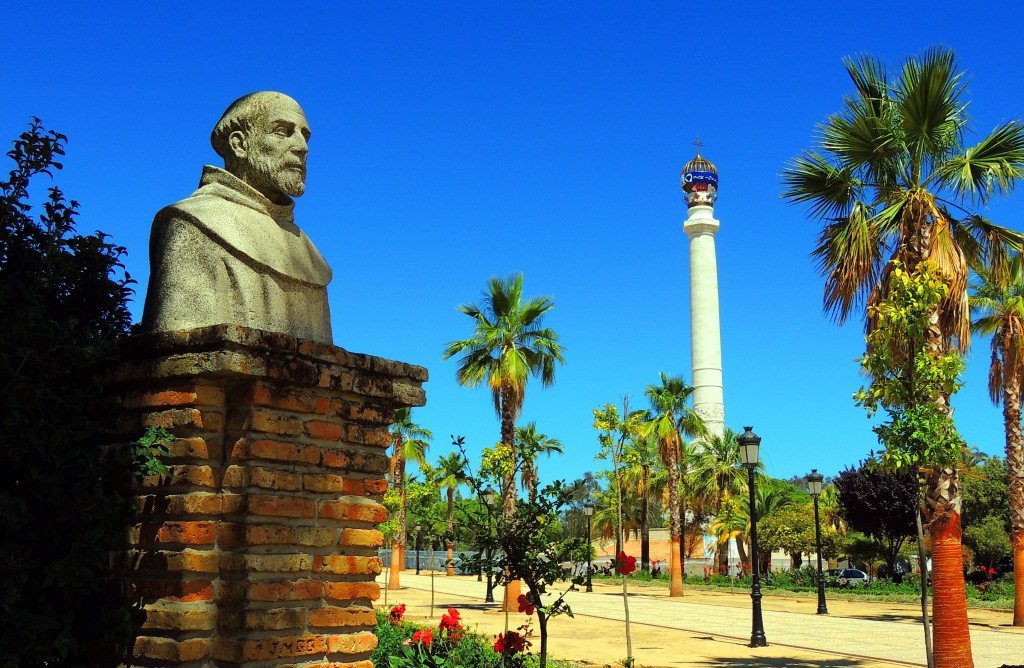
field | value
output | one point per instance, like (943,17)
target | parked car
(853,577)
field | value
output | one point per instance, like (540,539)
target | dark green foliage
(63,504)
(881,505)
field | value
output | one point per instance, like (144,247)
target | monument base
(260,546)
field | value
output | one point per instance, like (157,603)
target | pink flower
(424,637)
(624,564)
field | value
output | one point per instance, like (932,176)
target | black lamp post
(489,495)
(588,510)
(417,530)
(750,444)
(814,487)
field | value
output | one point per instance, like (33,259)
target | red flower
(396,614)
(451,625)
(991,571)
(524,605)
(423,636)
(624,564)
(746,566)
(509,642)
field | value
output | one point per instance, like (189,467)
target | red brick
(177,618)
(350,591)
(272,423)
(266,563)
(323,430)
(176,418)
(183,474)
(292,453)
(173,589)
(378,436)
(356,460)
(339,617)
(284,590)
(355,509)
(274,619)
(174,561)
(361,538)
(315,536)
(269,534)
(165,650)
(197,503)
(346,565)
(322,482)
(257,476)
(188,533)
(351,643)
(275,648)
(281,506)
(189,448)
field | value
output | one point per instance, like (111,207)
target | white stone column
(705,330)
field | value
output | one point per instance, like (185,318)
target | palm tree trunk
(513,590)
(952,639)
(1015,471)
(675,568)
(398,541)
(645,526)
(450,564)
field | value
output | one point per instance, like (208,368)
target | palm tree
(832,514)
(410,442)
(998,303)
(671,419)
(890,172)
(451,472)
(530,444)
(639,461)
(720,472)
(508,346)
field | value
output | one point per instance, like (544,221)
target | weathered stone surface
(231,252)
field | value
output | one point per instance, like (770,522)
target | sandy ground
(596,641)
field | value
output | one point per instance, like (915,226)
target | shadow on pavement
(779,662)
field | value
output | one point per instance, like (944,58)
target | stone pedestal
(260,547)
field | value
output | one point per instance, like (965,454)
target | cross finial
(698,143)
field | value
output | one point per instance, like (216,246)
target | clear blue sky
(456,141)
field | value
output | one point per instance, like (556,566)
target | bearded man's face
(276,149)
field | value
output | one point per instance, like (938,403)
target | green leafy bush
(64,502)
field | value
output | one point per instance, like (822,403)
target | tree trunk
(675,568)
(450,565)
(1015,477)
(952,639)
(510,601)
(396,555)
(741,548)
(645,525)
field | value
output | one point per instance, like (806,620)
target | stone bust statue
(231,252)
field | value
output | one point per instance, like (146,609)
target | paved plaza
(713,628)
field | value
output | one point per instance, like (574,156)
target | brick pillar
(260,547)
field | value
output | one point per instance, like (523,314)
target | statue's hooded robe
(227,254)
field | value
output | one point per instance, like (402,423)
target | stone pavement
(713,628)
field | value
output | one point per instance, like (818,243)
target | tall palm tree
(410,441)
(998,304)
(890,172)
(451,472)
(832,514)
(671,419)
(508,346)
(530,444)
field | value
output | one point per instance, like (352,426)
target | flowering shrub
(396,614)
(524,604)
(624,564)
(511,642)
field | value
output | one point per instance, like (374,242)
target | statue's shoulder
(205,205)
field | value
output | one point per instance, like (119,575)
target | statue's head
(263,139)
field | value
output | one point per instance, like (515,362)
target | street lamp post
(588,510)
(750,444)
(417,529)
(814,487)
(489,495)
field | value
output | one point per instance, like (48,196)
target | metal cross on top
(698,143)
